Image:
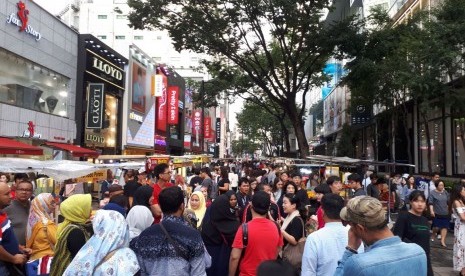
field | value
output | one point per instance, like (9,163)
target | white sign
(158,85)
(14,20)
(136,117)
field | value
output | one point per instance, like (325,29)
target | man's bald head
(5,196)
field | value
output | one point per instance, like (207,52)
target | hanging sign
(95,106)
(173,106)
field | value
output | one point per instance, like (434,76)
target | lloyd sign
(173,106)
(20,19)
(95,106)
(104,69)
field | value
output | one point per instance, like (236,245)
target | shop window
(120,37)
(28,85)
(459,145)
(436,141)
(138,37)
(105,137)
(102,16)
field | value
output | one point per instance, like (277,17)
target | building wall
(56,54)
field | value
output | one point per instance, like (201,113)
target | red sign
(197,125)
(173,105)
(207,127)
(162,103)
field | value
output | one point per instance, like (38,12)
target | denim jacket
(385,257)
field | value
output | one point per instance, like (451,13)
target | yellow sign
(93,177)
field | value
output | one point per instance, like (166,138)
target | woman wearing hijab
(139,218)
(219,227)
(41,229)
(198,205)
(73,232)
(107,252)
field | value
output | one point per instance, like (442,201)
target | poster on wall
(139,80)
(95,105)
(162,102)
(334,110)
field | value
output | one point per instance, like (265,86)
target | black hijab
(142,196)
(220,222)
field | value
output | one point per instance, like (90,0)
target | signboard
(187,141)
(173,105)
(162,102)
(21,19)
(218,130)
(93,177)
(360,114)
(105,70)
(152,162)
(207,128)
(95,106)
(157,81)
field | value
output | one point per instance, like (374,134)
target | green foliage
(276,47)
(345,145)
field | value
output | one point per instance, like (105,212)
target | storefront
(100,88)
(37,80)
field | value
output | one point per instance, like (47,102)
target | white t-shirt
(234,179)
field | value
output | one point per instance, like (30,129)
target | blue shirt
(323,249)
(385,257)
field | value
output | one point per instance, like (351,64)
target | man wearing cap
(264,239)
(386,254)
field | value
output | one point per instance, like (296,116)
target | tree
(258,125)
(407,62)
(278,46)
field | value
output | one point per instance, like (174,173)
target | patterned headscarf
(41,210)
(111,234)
(75,209)
(199,212)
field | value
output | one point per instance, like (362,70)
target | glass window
(158,37)
(121,16)
(120,37)
(157,58)
(138,37)
(194,59)
(105,137)
(436,142)
(459,131)
(102,36)
(102,16)
(175,59)
(28,85)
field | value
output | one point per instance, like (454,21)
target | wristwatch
(351,250)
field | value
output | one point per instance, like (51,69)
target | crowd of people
(235,219)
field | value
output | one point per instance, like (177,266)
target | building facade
(38,65)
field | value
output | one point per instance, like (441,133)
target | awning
(76,151)
(10,146)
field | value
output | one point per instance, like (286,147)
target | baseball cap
(364,210)
(261,202)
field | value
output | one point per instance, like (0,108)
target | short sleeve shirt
(156,193)
(264,240)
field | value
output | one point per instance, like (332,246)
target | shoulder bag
(293,253)
(176,245)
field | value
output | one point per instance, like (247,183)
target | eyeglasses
(24,190)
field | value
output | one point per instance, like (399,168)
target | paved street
(442,257)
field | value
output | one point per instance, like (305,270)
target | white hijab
(139,218)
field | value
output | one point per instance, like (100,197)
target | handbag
(293,253)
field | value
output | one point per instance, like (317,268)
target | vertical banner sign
(207,128)
(218,130)
(95,106)
(162,103)
(158,85)
(173,105)
(197,126)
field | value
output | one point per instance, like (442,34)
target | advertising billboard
(173,105)
(334,110)
(141,112)
(162,103)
